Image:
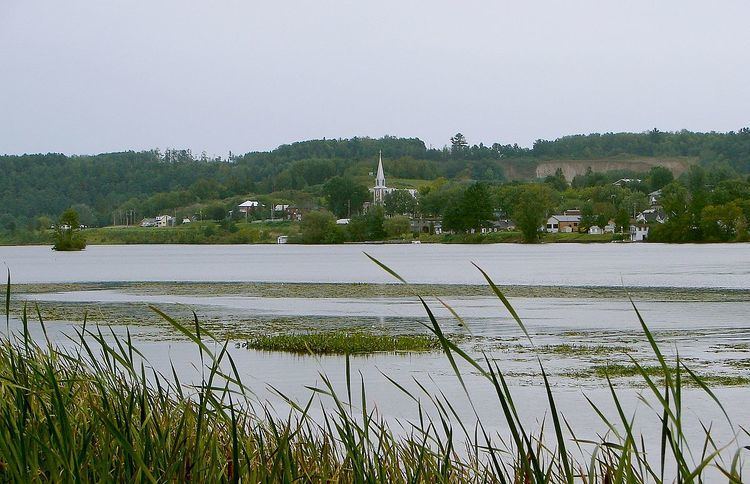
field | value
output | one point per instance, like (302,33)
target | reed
(93,410)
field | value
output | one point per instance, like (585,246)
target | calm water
(550,264)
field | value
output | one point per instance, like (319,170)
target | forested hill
(44,185)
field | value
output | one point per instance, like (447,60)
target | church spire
(380,177)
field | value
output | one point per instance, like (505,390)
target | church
(380,190)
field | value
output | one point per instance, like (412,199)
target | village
(568,221)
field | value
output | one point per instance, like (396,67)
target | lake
(572,335)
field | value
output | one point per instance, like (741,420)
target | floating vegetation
(574,350)
(341,342)
(617,370)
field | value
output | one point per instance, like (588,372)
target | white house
(248,206)
(654,197)
(626,181)
(638,233)
(610,227)
(595,230)
(164,221)
(342,221)
(282,239)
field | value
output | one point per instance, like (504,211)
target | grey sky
(92,76)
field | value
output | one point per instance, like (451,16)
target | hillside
(119,187)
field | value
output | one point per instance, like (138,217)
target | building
(164,221)
(654,197)
(626,181)
(563,223)
(610,227)
(160,221)
(282,239)
(595,230)
(248,206)
(380,190)
(638,233)
(653,214)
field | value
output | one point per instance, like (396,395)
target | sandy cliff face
(571,168)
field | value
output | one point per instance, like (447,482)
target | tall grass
(92,410)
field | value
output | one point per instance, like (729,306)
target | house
(186,220)
(164,221)
(610,228)
(595,230)
(425,225)
(343,221)
(294,213)
(654,197)
(626,181)
(148,222)
(638,233)
(282,239)
(502,225)
(653,214)
(563,223)
(248,206)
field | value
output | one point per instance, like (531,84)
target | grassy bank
(93,411)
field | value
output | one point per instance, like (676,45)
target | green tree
(368,226)
(719,223)
(472,209)
(531,207)
(396,225)
(319,227)
(215,211)
(68,236)
(557,181)
(399,202)
(622,220)
(659,177)
(344,196)
(459,145)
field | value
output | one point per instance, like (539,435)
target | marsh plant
(93,410)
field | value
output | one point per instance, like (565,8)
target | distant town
(615,187)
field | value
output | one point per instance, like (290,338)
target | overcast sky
(99,75)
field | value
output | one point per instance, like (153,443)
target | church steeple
(380,177)
(379,190)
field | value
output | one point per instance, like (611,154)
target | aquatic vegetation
(342,342)
(95,411)
(617,370)
(584,350)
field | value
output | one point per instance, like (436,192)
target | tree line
(35,189)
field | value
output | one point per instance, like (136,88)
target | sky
(84,77)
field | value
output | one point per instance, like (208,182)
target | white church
(380,190)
